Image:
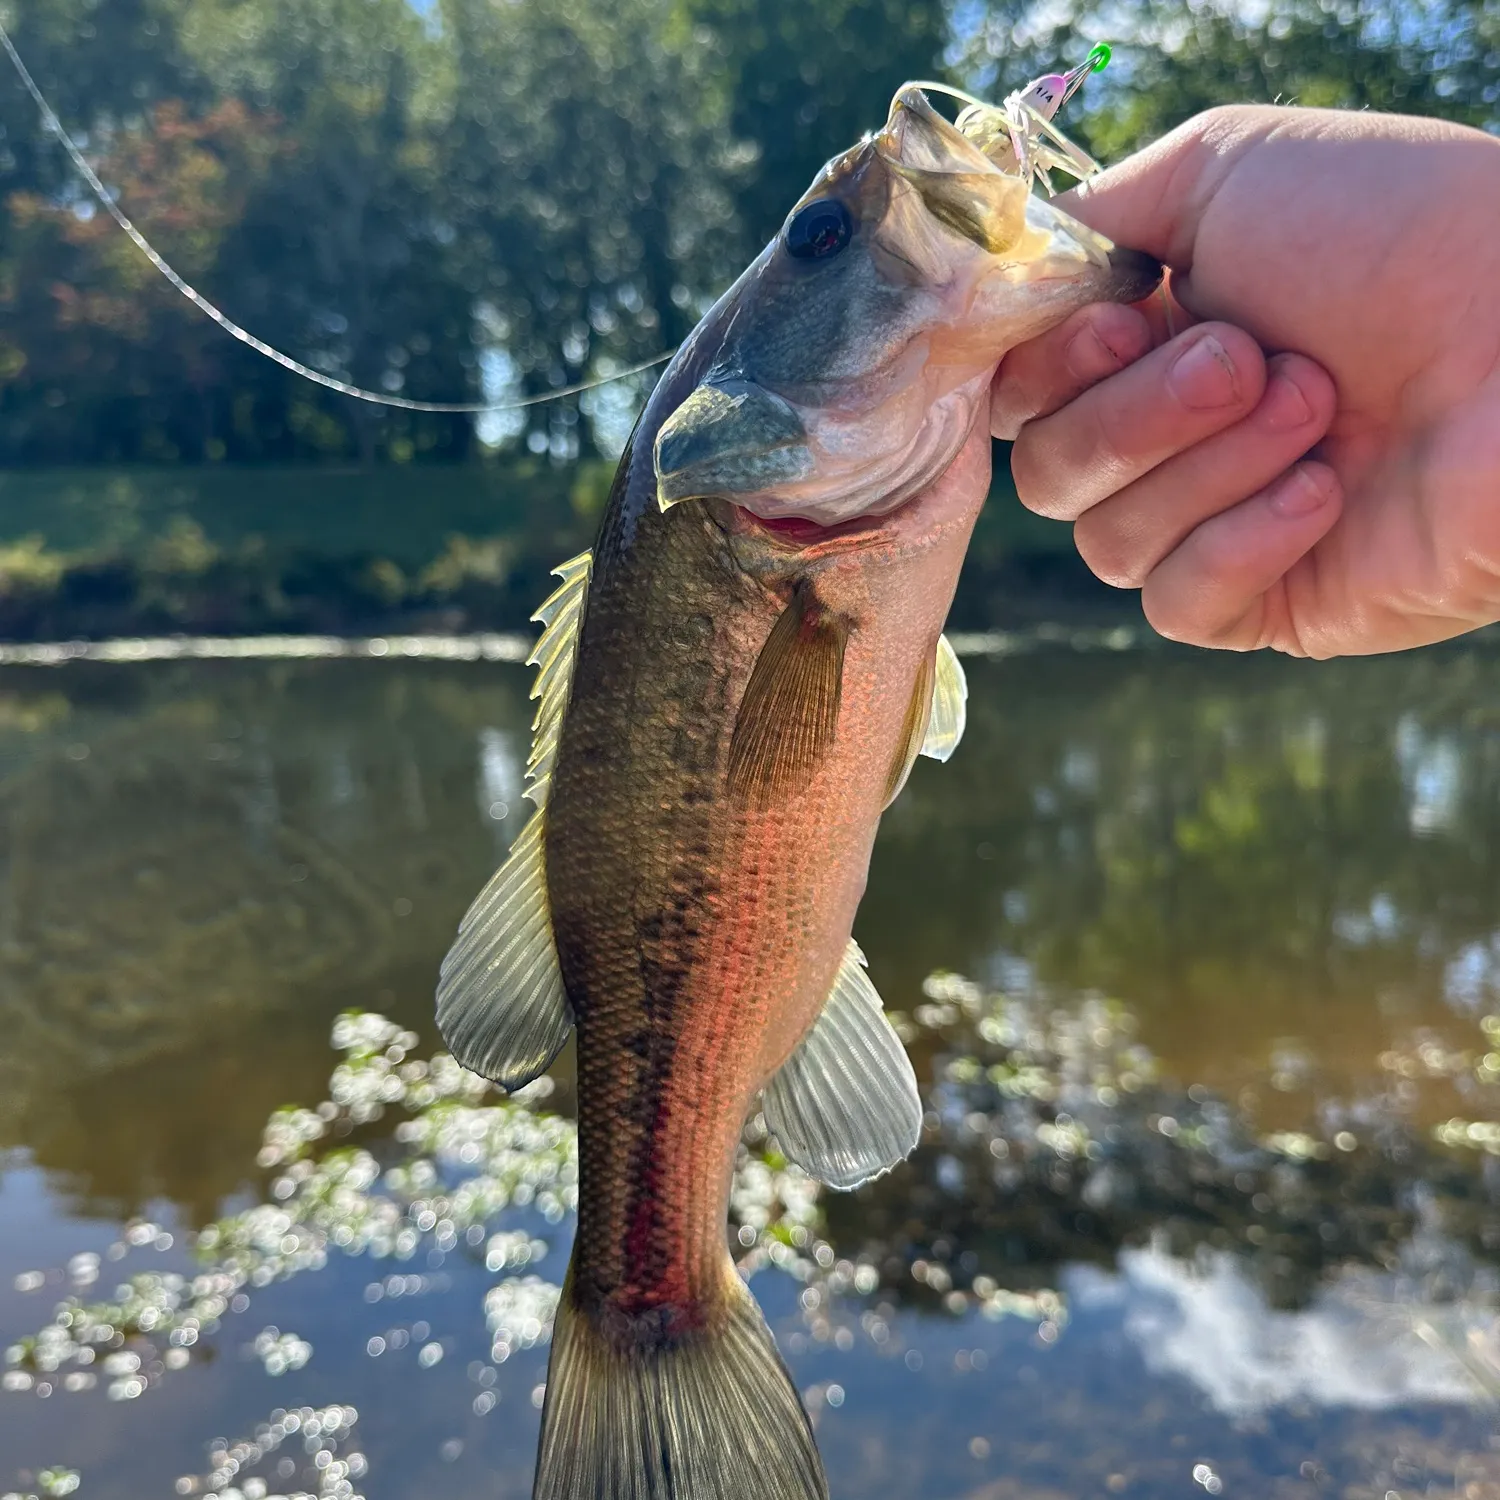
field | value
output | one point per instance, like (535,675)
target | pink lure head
(1046,95)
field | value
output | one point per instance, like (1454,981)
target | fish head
(847,366)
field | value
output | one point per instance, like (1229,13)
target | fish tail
(706,1414)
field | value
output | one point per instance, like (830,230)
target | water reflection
(1357,1344)
(1179,1191)
(200,868)
(1247,850)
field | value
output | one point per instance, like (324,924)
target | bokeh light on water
(1197,958)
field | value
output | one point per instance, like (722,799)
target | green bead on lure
(1019,135)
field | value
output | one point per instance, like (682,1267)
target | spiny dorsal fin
(950,704)
(913,730)
(501,1004)
(561,615)
(844,1106)
(790,711)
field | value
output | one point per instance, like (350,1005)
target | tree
(806,80)
(91,328)
(334,247)
(592,174)
(343,256)
(1177,57)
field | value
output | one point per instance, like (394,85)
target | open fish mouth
(966,190)
(958,185)
(859,347)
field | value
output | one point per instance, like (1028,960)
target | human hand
(1364,247)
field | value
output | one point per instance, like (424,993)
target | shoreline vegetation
(100,553)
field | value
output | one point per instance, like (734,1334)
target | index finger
(1047,372)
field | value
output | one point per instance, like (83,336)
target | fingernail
(1088,357)
(1298,494)
(1284,406)
(1203,376)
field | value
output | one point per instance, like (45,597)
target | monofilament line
(54,126)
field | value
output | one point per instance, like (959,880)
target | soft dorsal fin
(790,711)
(844,1106)
(501,1004)
(950,703)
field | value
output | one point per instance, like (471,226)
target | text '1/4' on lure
(732,686)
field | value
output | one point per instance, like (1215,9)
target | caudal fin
(703,1416)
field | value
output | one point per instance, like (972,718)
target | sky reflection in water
(1179,1225)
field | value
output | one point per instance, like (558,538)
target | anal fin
(844,1106)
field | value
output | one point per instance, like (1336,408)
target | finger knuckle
(1222,124)
(1035,480)
(1007,411)
(1167,618)
(1108,441)
(1111,555)
(1219,554)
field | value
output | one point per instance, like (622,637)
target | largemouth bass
(733,686)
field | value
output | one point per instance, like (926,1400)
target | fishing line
(932,86)
(54,126)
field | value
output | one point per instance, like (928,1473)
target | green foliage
(496,199)
(246,550)
(1438,61)
(1174,58)
(805,81)
(468,197)
(590,181)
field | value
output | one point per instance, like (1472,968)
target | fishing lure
(1019,135)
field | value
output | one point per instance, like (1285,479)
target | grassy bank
(102,552)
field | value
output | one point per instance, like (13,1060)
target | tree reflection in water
(1233,923)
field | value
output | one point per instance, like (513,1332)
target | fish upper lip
(911,101)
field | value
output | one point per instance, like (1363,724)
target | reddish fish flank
(698,961)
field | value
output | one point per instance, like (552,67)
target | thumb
(1155,200)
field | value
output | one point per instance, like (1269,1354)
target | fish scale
(732,687)
(661,926)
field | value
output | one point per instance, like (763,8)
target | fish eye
(818,229)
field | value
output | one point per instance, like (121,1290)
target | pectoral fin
(790,710)
(844,1106)
(950,704)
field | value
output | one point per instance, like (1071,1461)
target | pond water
(1208,1199)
